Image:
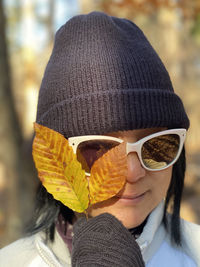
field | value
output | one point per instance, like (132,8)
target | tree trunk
(10,143)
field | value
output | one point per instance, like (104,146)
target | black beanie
(104,76)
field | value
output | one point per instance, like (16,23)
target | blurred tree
(196,28)
(11,140)
(16,166)
(50,20)
(189,9)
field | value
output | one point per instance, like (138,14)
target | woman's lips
(130,199)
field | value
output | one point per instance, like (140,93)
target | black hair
(47,208)
(174,195)
(46,212)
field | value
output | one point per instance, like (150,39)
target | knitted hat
(104,76)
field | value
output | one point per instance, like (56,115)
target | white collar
(53,253)
(153,233)
(191,240)
(149,241)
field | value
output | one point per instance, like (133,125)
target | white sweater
(154,243)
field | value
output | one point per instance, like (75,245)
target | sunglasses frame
(132,147)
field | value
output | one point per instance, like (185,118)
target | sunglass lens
(89,151)
(160,151)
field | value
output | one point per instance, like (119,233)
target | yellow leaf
(108,174)
(58,169)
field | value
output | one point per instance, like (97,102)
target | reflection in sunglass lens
(89,151)
(160,151)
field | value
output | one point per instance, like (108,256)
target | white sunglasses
(156,152)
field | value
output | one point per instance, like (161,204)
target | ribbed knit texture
(104,241)
(104,76)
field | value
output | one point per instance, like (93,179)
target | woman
(104,78)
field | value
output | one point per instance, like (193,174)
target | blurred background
(27,29)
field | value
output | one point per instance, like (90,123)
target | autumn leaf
(59,170)
(108,174)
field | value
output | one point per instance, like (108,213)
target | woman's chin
(129,217)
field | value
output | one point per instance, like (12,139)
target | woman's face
(143,190)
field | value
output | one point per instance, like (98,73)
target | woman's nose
(135,169)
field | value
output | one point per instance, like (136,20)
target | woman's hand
(104,241)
